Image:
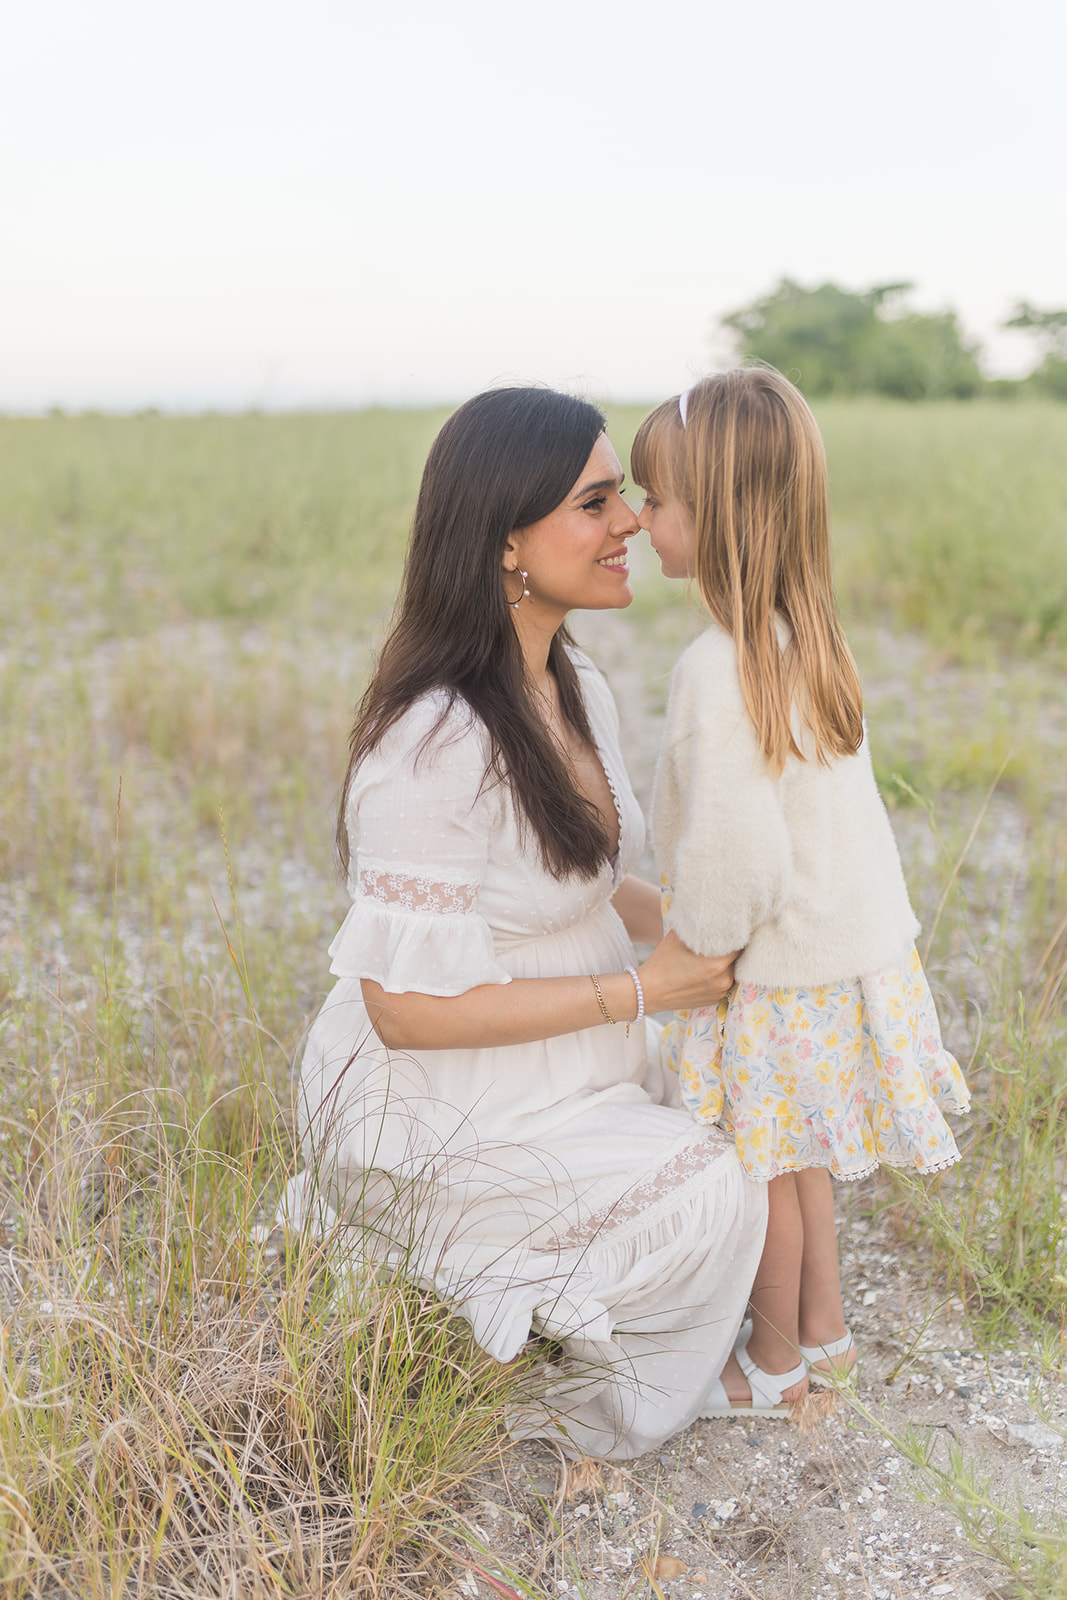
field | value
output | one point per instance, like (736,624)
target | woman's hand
(675,978)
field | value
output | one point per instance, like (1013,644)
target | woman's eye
(596,504)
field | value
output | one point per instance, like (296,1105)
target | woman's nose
(626,524)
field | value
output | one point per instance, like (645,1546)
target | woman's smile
(556,553)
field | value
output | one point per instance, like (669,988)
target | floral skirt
(848,1076)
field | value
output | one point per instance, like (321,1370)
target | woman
(475,1090)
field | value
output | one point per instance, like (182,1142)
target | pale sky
(225,204)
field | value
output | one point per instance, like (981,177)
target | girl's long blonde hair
(750,466)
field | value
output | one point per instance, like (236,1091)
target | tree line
(831,340)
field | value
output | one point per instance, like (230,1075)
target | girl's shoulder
(714,644)
(708,668)
(715,647)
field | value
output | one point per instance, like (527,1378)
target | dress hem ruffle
(856,1177)
(847,1077)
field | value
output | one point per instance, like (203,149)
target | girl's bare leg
(775,1297)
(821,1314)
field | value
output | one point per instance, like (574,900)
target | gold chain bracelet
(600,999)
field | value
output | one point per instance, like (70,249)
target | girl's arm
(720,832)
(673,978)
(638,903)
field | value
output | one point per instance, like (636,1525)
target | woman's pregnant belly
(401,1106)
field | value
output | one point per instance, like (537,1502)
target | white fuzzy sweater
(800,872)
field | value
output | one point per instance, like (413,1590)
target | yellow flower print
(840,1076)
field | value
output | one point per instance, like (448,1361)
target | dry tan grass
(181,1411)
(191,1404)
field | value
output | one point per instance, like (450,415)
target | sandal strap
(768,1387)
(716,1403)
(826,1352)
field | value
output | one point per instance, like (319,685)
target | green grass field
(949,518)
(187,609)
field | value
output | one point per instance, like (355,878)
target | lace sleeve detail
(420,822)
(413,891)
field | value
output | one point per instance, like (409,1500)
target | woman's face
(576,556)
(671,531)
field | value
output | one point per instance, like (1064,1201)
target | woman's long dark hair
(502,461)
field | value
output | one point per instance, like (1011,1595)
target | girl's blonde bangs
(657,455)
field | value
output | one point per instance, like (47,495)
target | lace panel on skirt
(659,1191)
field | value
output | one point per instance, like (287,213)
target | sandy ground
(770,1508)
(779,1510)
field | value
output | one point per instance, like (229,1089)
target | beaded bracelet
(595,981)
(640,999)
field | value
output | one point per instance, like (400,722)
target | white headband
(683,405)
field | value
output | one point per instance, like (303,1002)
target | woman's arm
(637,902)
(673,978)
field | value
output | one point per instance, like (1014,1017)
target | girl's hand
(675,978)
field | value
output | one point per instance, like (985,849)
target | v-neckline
(614,858)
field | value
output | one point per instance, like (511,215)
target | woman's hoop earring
(525,592)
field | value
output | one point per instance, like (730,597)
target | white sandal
(811,1353)
(767,1389)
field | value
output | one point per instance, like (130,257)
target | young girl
(773,841)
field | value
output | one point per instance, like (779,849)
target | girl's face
(672,533)
(576,556)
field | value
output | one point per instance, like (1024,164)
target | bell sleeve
(420,817)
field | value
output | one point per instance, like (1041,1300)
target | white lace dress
(540,1187)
